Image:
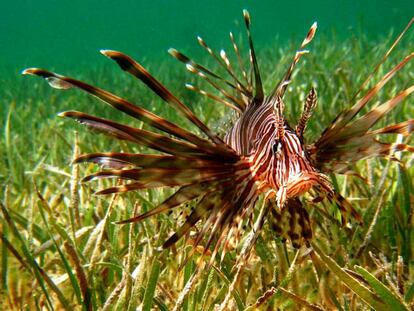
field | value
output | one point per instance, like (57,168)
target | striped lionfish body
(260,158)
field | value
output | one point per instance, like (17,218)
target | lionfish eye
(277,147)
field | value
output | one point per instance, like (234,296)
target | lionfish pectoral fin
(183,195)
(354,140)
(138,136)
(386,55)
(344,118)
(135,111)
(206,204)
(292,223)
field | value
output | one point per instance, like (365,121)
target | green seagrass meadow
(60,246)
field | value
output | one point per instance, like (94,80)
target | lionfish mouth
(261,158)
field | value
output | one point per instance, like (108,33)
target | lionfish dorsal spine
(280,88)
(259,93)
(240,61)
(207,74)
(131,66)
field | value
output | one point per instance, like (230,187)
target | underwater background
(62,34)
(60,246)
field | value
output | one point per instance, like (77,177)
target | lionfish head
(279,161)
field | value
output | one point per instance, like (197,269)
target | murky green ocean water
(60,34)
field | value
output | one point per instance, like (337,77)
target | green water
(61,34)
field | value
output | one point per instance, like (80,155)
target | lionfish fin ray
(239,60)
(214,97)
(181,196)
(149,160)
(145,138)
(205,205)
(133,110)
(258,86)
(384,58)
(372,117)
(404,128)
(224,62)
(204,73)
(280,88)
(167,176)
(131,66)
(345,117)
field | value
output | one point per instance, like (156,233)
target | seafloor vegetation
(60,248)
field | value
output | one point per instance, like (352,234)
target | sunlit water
(59,34)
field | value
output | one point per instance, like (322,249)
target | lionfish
(261,158)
